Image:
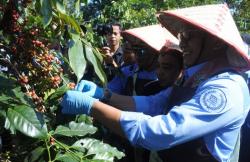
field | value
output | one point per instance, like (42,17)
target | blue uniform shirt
(155,104)
(118,83)
(215,113)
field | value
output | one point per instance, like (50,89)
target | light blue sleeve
(213,108)
(154,104)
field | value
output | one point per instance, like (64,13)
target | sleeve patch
(213,100)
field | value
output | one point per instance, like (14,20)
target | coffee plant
(44,53)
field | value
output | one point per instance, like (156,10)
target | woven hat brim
(174,22)
(154,36)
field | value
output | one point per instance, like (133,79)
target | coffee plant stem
(74,155)
(67,149)
(48,149)
(65,81)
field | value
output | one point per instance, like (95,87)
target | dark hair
(114,23)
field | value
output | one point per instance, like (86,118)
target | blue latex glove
(89,88)
(75,102)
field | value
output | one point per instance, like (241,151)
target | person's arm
(105,95)
(154,104)
(125,103)
(212,108)
(211,112)
(151,105)
(108,116)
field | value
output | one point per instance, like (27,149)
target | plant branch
(66,147)
(48,149)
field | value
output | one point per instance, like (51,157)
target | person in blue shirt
(148,43)
(198,121)
(138,78)
(141,78)
(245,132)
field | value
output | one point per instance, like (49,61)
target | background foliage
(135,13)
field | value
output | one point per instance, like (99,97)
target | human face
(146,57)
(114,37)
(169,69)
(191,45)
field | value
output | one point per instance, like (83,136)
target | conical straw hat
(213,19)
(155,36)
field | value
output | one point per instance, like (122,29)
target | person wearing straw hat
(140,78)
(203,116)
(154,41)
(213,47)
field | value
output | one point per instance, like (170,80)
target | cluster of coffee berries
(9,22)
(38,43)
(23,79)
(39,68)
(34,31)
(52,141)
(71,85)
(38,101)
(56,80)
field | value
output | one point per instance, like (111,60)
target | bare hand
(108,59)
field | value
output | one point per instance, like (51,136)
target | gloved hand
(75,102)
(90,88)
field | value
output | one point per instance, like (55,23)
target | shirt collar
(119,51)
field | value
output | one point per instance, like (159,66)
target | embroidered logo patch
(213,100)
